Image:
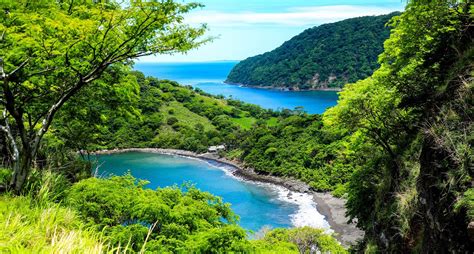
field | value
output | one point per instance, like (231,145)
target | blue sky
(249,27)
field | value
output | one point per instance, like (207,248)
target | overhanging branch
(52,111)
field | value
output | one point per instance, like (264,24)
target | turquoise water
(210,76)
(257,205)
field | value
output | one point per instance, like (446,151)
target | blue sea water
(258,205)
(210,77)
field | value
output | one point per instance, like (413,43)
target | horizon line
(190,61)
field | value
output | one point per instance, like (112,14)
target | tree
(50,50)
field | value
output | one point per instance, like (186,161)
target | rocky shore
(331,207)
(287,89)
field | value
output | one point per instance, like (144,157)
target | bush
(127,212)
(172,120)
(340,190)
(308,240)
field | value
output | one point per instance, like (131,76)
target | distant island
(320,58)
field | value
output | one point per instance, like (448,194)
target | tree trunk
(21,169)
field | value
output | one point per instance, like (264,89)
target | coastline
(284,89)
(332,208)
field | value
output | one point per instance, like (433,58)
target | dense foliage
(296,146)
(166,220)
(329,55)
(411,127)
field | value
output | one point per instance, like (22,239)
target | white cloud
(293,17)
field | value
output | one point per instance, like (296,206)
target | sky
(244,28)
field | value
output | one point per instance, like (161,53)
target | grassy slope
(244,122)
(184,115)
(47,228)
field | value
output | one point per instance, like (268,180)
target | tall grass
(28,228)
(36,222)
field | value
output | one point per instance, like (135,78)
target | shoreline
(332,208)
(285,89)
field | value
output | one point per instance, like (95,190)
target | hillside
(159,113)
(327,56)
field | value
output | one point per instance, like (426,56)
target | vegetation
(160,113)
(411,125)
(119,215)
(296,146)
(166,220)
(329,55)
(308,240)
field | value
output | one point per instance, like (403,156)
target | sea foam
(306,214)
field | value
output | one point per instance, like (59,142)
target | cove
(210,76)
(257,204)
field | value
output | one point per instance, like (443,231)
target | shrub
(308,240)
(172,120)
(127,212)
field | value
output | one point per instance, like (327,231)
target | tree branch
(68,63)
(16,113)
(18,68)
(110,26)
(132,37)
(52,111)
(41,72)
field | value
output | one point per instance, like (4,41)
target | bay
(209,76)
(258,205)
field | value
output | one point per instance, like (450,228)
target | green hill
(327,56)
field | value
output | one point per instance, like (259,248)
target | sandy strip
(331,207)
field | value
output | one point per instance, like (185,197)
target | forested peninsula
(397,146)
(324,57)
